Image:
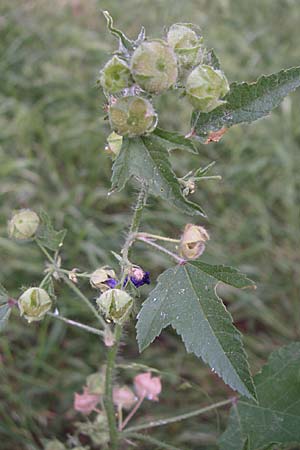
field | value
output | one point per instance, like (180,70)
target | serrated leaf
(226,274)
(47,235)
(5,311)
(174,141)
(275,419)
(185,297)
(146,158)
(246,103)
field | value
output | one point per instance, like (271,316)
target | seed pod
(34,304)
(23,225)
(205,86)
(132,116)
(186,43)
(115,76)
(103,279)
(115,304)
(154,66)
(192,243)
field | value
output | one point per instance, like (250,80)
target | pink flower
(146,386)
(86,402)
(124,397)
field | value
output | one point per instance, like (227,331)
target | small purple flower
(111,282)
(138,277)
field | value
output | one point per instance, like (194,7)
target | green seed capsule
(186,43)
(23,225)
(132,116)
(34,304)
(115,304)
(205,86)
(115,76)
(154,66)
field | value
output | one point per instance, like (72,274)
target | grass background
(52,137)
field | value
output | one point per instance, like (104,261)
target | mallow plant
(265,410)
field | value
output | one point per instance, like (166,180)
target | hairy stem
(151,440)
(76,324)
(161,249)
(108,400)
(161,422)
(112,351)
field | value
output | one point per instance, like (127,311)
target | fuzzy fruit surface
(132,116)
(154,66)
(205,87)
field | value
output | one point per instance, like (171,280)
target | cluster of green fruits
(130,80)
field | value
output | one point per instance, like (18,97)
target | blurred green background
(52,138)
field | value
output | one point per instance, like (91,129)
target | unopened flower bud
(124,397)
(154,66)
(132,116)
(114,145)
(192,243)
(147,386)
(205,87)
(138,276)
(115,76)
(115,304)
(103,279)
(186,43)
(34,304)
(23,224)
(86,402)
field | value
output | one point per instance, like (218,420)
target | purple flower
(111,282)
(138,277)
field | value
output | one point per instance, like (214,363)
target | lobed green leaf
(275,419)
(147,159)
(47,235)
(185,298)
(246,103)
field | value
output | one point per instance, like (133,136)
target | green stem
(112,351)
(76,324)
(161,422)
(151,440)
(156,237)
(72,286)
(161,249)
(108,399)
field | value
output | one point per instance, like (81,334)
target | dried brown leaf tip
(215,136)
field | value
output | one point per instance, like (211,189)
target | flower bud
(86,402)
(192,243)
(23,224)
(115,304)
(124,397)
(34,304)
(154,66)
(115,76)
(132,116)
(114,145)
(147,386)
(186,44)
(103,279)
(205,86)
(138,277)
